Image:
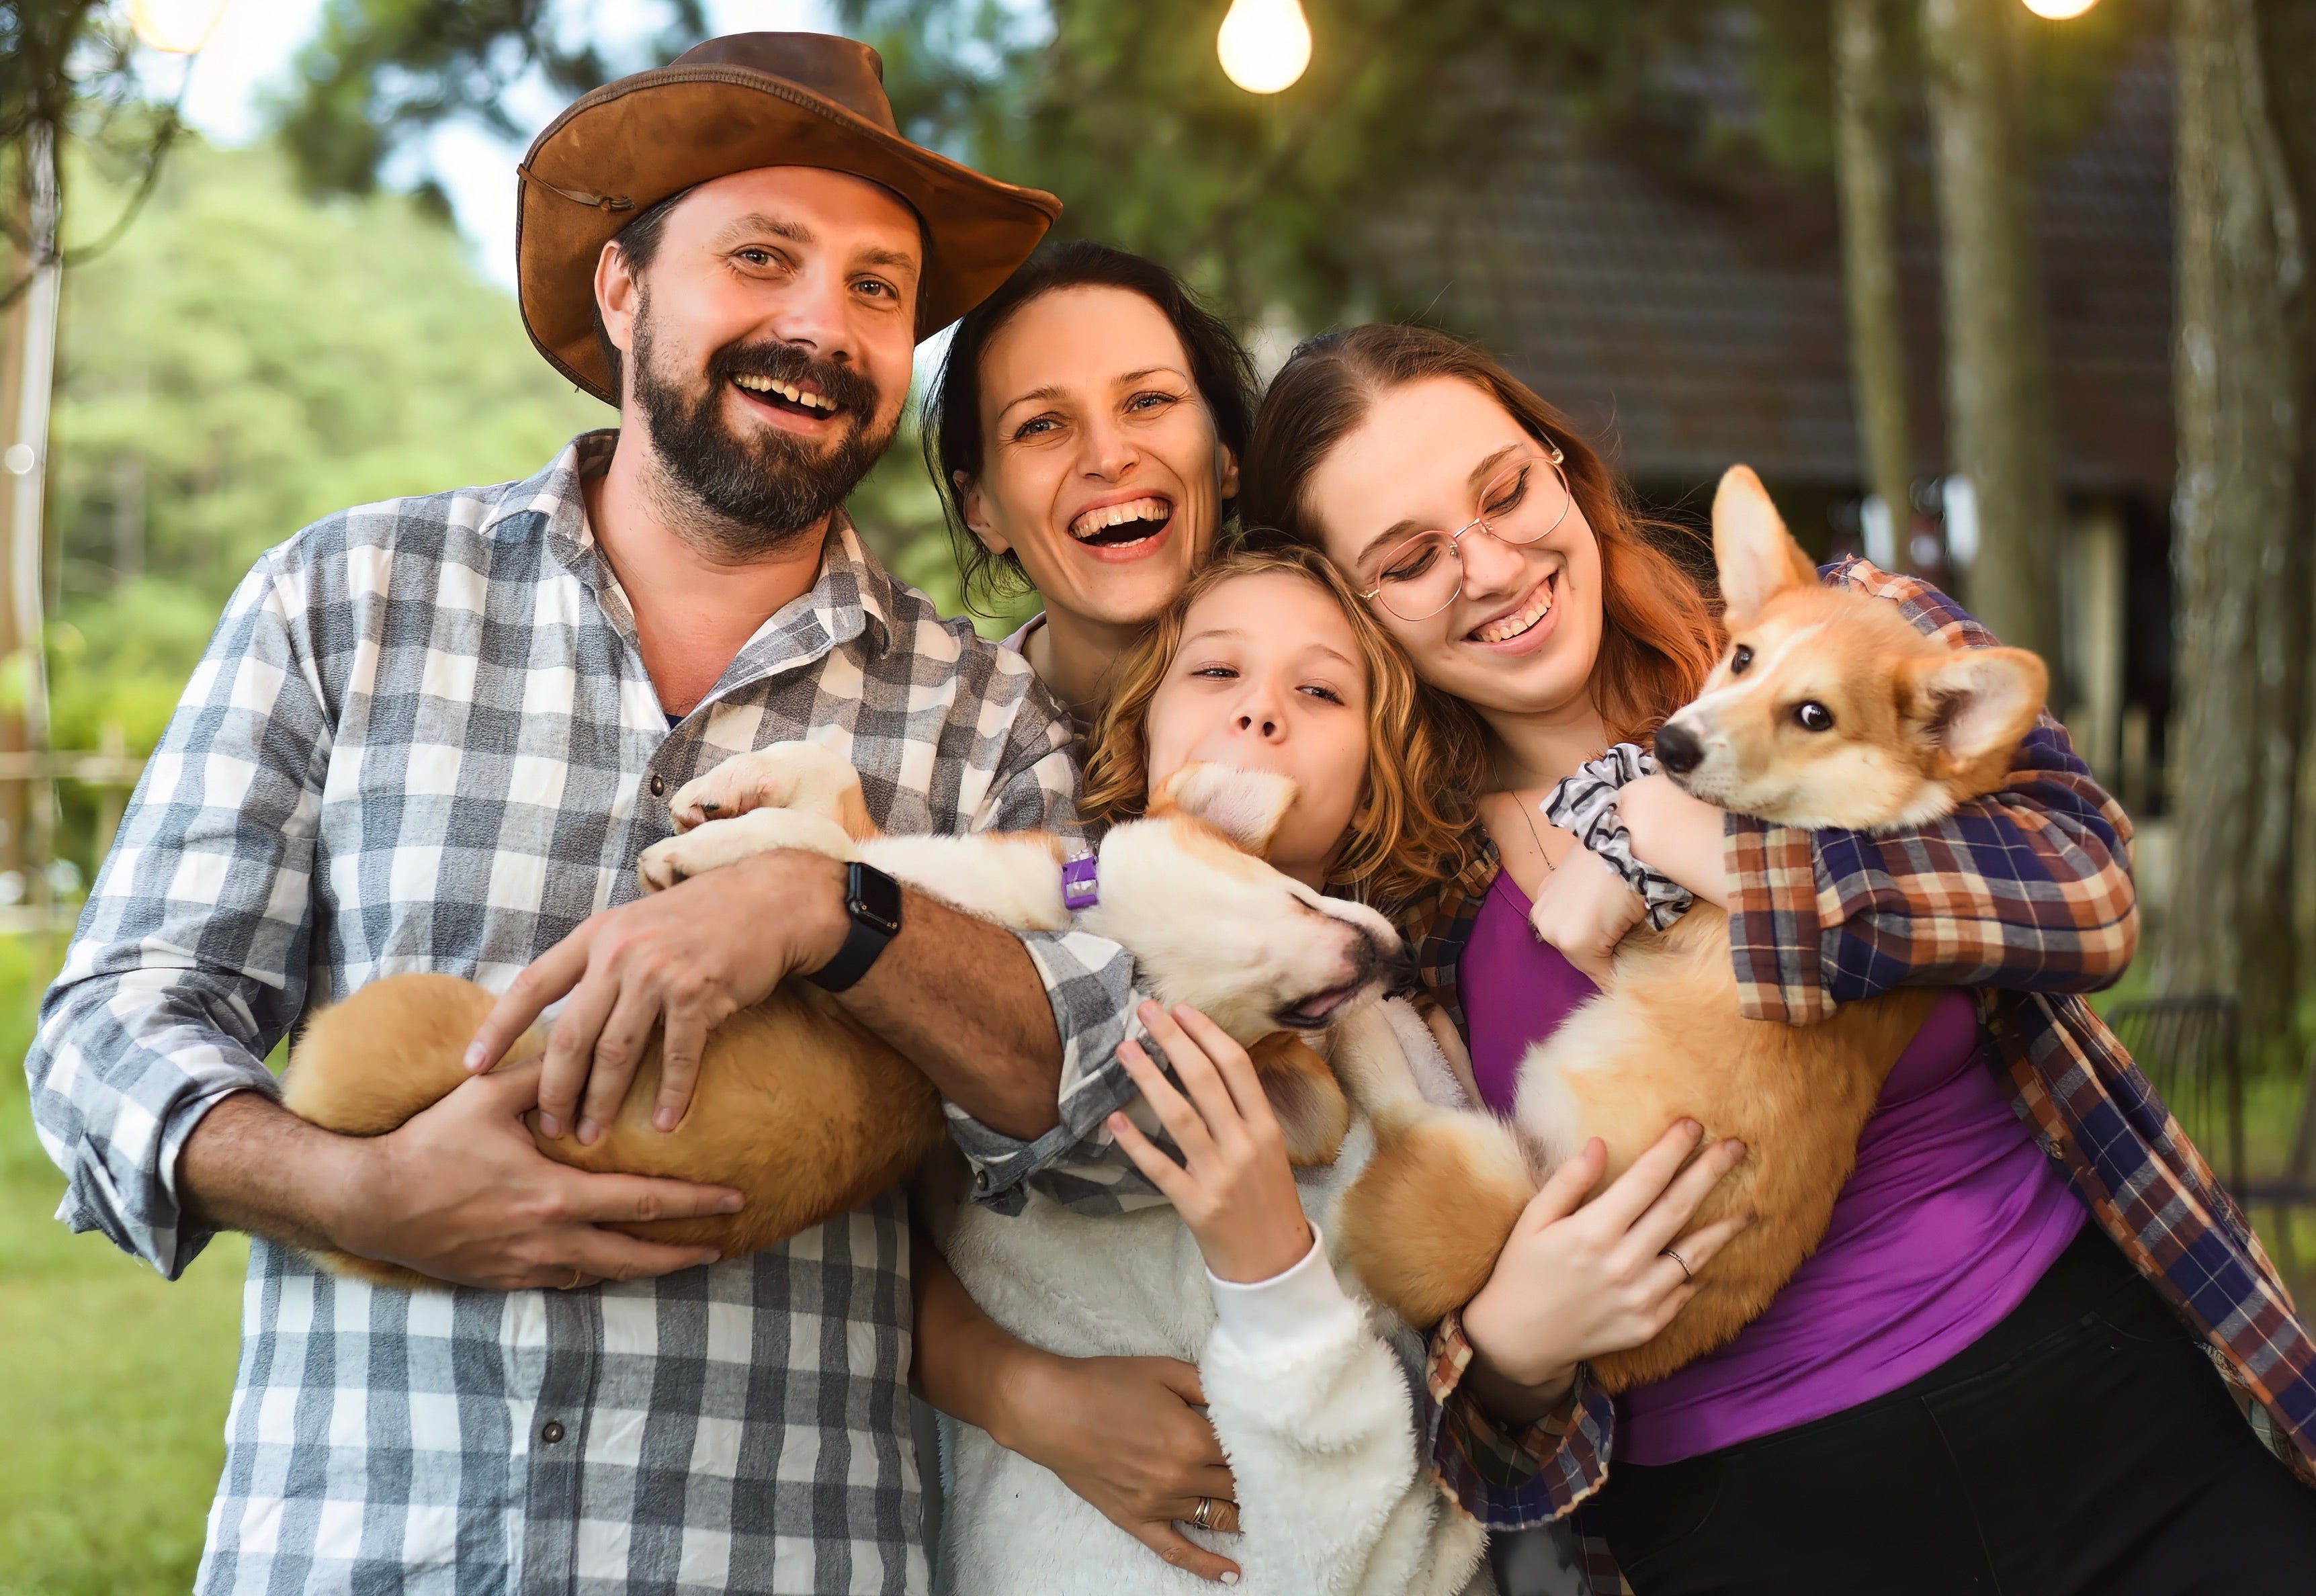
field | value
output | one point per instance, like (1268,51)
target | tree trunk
(1865,149)
(2287,47)
(2241,542)
(1997,353)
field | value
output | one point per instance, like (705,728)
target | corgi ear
(1758,557)
(1305,1096)
(1977,702)
(1245,805)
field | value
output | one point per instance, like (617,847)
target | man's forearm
(251,1165)
(962,999)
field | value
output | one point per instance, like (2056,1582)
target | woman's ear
(974,509)
(1229,470)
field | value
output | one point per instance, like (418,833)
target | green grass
(113,1382)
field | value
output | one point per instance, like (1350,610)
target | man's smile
(787,400)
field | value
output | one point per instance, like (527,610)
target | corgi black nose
(1678,749)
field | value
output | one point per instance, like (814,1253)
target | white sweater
(1308,1388)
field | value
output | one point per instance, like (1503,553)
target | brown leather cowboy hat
(734,104)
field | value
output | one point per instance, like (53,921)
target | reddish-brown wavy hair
(1659,637)
(1411,828)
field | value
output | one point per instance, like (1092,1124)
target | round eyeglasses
(1523,502)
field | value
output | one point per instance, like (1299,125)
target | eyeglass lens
(1522,503)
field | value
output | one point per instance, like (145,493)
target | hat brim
(645,137)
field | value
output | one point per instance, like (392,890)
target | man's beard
(760,496)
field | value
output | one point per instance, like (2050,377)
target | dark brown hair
(1410,831)
(1658,638)
(951,419)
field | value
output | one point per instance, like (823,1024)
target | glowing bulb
(1264,44)
(2059,11)
(178,27)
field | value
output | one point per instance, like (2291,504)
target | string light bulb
(176,27)
(1264,44)
(2059,11)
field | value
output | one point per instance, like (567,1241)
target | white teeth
(1520,620)
(788,391)
(1115,515)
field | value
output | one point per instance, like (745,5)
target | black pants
(2084,1445)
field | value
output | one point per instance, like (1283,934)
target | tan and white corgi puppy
(1827,709)
(805,1111)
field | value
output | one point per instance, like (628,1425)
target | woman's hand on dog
(1584,908)
(1129,1436)
(1578,1279)
(1234,1187)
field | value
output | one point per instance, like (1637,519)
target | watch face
(875,898)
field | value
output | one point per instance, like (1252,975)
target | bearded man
(434,734)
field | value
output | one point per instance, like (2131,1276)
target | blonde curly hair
(1426,754)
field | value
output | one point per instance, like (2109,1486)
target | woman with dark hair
(1992,1374)
(1085,429)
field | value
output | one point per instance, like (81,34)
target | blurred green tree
(381,74)
(248,361)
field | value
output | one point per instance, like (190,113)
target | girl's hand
(1583,909)
(1574,1282)
(1070,1416)
(1235,1188)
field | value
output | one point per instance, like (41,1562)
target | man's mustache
(785,362)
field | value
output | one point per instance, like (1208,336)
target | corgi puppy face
(1212,925)
(1827,708)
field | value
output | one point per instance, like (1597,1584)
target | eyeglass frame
(1553,456)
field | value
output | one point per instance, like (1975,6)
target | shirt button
(658,785)
(551,1431)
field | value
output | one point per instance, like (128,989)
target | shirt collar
(852,596)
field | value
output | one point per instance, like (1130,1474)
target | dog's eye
(1814,716)
(1739,658)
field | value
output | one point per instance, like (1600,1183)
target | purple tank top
(1952,1216)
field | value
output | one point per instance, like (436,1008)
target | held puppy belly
(364,1066)
(795,1106)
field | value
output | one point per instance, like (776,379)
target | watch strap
(865,939)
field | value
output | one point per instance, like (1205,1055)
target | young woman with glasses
(1993,1372)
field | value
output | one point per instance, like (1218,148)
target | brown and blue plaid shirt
(2026,897)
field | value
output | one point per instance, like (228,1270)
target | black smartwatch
(872,900)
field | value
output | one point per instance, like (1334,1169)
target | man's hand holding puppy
(459,1192)
(958,996)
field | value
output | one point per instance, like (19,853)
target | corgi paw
(726,842)
(803,777)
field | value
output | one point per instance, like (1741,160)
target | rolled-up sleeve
(1090,982)
(190,961)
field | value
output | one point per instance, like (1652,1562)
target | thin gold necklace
(1549,867)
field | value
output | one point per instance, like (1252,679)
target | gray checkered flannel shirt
(423,738)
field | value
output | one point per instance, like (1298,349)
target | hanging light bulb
(1264,44)
(2059,11)
(177,27)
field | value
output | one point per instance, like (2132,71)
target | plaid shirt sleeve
(1090,982)
(2026,890)
(189,962)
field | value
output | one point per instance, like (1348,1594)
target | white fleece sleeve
(1315,1414)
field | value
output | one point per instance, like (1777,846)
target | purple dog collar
(1079,891)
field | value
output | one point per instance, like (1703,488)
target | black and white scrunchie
(1585,805)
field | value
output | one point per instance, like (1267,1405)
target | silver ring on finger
(1687,1273)
(578,1279)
